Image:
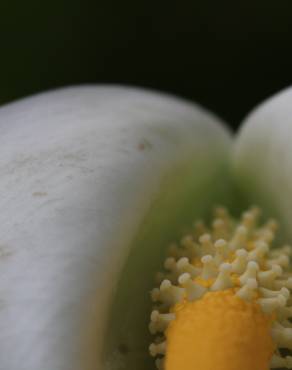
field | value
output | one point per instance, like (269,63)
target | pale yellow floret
(223,300)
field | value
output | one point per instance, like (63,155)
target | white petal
(86,174)
(263,158)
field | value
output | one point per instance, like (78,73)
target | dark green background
(226,55)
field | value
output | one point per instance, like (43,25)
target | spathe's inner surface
(128,337)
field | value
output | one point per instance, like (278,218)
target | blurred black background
(227,56)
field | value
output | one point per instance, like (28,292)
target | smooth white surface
(263,158)
(79,168)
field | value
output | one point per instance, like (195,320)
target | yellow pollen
(223,300)
(219,331)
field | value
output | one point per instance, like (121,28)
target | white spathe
(79,170)
(262,161)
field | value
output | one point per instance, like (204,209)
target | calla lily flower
(95,182)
